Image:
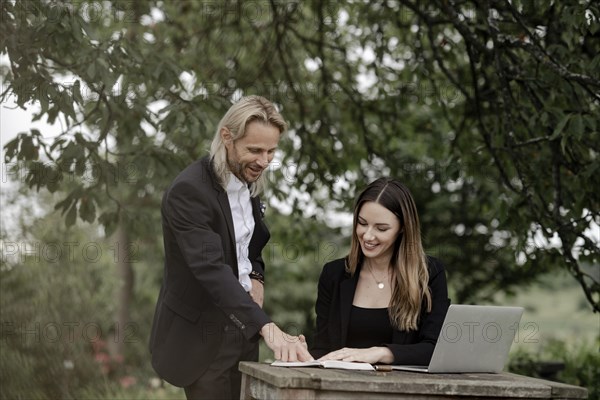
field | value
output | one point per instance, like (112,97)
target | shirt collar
(235,184)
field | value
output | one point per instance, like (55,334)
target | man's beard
(237,169)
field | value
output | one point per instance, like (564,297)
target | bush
(580,364)
(45,352)
(57,327)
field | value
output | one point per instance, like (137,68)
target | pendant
(380,285)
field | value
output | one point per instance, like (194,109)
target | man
(209,316)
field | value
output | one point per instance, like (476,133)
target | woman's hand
(370,355)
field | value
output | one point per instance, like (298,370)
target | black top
(369,327)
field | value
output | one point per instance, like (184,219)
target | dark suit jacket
(334,302)
(201,297)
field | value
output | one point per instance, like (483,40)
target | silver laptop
(472,339)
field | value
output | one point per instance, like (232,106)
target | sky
(14,120)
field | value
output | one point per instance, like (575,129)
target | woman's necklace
(380,284)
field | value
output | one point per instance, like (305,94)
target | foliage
(489,112)
(115,391)
(294,261)
(581,363)
(57,335)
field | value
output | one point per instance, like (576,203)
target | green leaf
(87,209)
(27,151)
(595,63)
(44,103)
(64,204)
(37,116)
(560,126)
(80,166)
(11,149)
(110,221)
(591,122)
(38,175)
(76,29)
(79,139)
(69,153)
(71,215)
(57,143)
(590,170)
(77,92)
(91,70)
(66,103)
(52,114)
(576,126)
(53,180)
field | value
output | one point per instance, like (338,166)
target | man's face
(249,156)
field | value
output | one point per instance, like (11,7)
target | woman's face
(377,229)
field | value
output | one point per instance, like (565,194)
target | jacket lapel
(226,209)
(223,200)
(347,289)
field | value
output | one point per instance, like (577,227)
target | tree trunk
(123,259)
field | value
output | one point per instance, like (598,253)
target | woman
(386,301)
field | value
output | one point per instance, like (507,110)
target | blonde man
(209,312)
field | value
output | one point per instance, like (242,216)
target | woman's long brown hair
(410,275)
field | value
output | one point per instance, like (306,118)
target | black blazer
(201,296)
(334,302)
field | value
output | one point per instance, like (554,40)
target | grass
(555,309)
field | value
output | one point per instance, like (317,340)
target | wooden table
(264,382)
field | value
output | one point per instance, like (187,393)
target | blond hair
(410,275)
(236,119)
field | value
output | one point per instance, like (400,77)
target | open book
(326,364)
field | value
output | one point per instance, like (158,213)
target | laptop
(473,339)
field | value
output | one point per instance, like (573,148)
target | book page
(314,363)
(326,364)
(348,365)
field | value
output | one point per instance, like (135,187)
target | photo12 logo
(89,173)
(60,12)
(488,332)
(68,332)
(259,12)
(57,252)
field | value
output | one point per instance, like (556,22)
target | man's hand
(257,292)
(285,347)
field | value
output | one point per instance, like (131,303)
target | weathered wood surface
(261,381)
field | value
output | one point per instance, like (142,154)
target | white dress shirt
(243,224)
